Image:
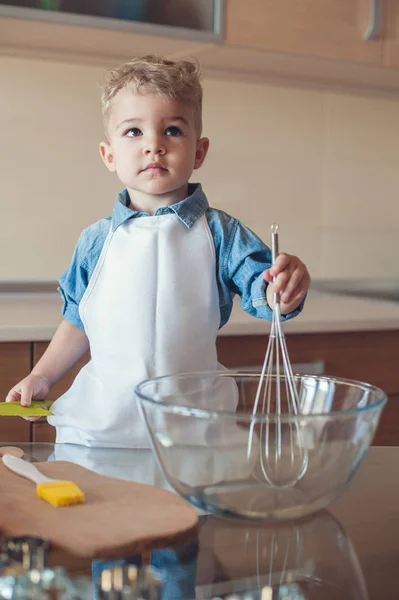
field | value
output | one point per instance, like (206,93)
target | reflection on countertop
(349,552)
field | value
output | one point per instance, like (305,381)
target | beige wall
(323,165)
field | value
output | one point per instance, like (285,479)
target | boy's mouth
(154,167)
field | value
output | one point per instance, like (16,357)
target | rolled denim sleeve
(246,260)
(74,281)
(72,285)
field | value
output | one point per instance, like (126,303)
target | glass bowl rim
(248,416)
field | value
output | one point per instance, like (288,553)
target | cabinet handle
(374,26)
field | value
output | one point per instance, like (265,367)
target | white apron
(151,308)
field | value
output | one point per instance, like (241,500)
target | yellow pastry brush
(57,492)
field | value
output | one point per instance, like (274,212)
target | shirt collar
(188,210)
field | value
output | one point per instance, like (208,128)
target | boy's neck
(142,202)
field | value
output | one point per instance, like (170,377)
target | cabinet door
(388,429)
(42,431)
(370,356)
(14,365)
(332,29)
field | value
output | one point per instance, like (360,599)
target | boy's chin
(159,189)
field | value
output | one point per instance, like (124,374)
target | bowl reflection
(311,559)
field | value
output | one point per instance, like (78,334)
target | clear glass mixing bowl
(227,459)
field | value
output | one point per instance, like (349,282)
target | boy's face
(152,147)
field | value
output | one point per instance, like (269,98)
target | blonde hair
(179,80)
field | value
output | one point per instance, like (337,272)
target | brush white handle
(21,467)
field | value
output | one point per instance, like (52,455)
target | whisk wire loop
(283,458)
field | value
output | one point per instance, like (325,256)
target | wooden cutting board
(119,518)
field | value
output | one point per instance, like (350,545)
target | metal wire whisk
(283,456)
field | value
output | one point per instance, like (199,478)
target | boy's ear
(201,152)
(107,156)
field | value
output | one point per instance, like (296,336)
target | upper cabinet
(329,29)
(202,17)
(336,43)
(351,44)
(108,31)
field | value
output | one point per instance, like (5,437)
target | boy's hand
(292,281)
(33,386)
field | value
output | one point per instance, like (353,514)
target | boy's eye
(133,132)
(173,131)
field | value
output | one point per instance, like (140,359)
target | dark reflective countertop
(349,552)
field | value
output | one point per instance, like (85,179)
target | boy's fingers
(26,395)
(13,396)
(267,276)
(289,276)
(280,281)
(283,278)
(282,262)
(299,293)
(293,284)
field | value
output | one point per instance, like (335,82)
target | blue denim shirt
(241,257)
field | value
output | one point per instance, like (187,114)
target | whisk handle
(275,253)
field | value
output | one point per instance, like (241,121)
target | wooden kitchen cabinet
(314,41)
(15,360)
(388,430)
(42,431)
(329,29)
(370,356)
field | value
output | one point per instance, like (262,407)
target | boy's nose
(154,147)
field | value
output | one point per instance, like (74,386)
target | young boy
(149,286)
